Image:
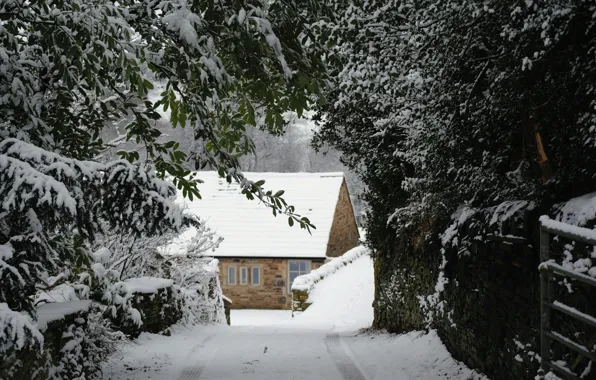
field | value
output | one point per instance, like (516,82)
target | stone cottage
(261,254)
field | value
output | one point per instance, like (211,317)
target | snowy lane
(197,356)
(259,353)
(323,343)
(343,361)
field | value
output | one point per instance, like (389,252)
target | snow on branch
(33,177)
(17,330)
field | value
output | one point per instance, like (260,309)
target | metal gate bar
(548,268)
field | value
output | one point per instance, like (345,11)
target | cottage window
(231,275)
(297,268)
(243,275)
(256,275)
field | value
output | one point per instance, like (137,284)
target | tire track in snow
(194,372)
(343,362)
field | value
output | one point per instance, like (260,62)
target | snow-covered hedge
(307,281)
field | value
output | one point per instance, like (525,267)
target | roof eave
(272,257)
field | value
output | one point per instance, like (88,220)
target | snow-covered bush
(200,290)
(177,258)
(17,332)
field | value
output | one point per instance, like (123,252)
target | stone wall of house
(271,293)
(344,231)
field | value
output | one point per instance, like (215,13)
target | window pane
(231,275)
(256,276)
(293,276)
(302,266)
(294,266)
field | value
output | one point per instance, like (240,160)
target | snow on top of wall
(147,284)
(307,281)
(50,312)
(249,228)
(578,211)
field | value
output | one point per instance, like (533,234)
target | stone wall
(271,293)
(299,300)
(492,318)
(158,311)
(488,313)
(344,231)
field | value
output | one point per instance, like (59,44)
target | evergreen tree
(452,102)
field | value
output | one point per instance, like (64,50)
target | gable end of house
(343,235)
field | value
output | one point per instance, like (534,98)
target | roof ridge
(306,174)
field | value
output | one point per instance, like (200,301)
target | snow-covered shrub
(74,363)
(202,299)
(17,328)
(176,258)
(18,334)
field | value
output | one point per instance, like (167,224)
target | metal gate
(548,269)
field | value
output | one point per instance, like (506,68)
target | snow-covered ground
(259,317)
(326,342)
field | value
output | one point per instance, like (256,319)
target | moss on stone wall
(406,270)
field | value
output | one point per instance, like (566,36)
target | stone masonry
(344,231)
(272,293)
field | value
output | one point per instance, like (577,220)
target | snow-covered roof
(249,228)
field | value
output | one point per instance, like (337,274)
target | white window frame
(252,276)
(235,275)
(308,270)
(243,279)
